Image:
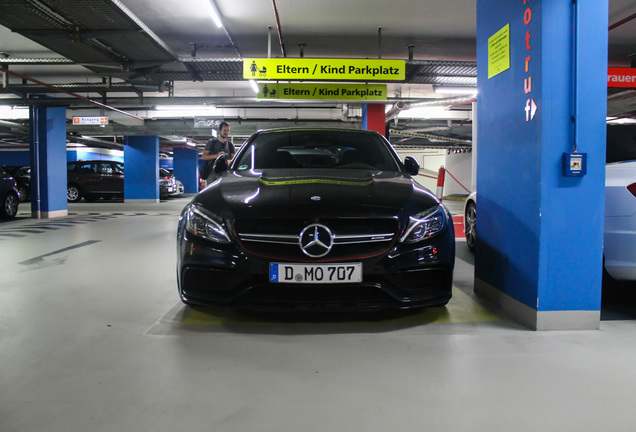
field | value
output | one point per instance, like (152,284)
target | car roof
(317,129)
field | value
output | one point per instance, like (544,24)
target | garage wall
(95,154)
(459,166)
(430,161)
(15,157)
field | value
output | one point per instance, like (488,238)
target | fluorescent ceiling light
(455,90)
(254,86)
(176,111)
(434,112)
(211,8)
(622,121)
(184,107)
(13,113)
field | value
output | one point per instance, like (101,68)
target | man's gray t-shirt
(214,146)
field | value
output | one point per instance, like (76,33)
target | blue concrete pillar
(48,161)
(186,164)
(541,74)
(141,164)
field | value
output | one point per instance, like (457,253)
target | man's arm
(208,155)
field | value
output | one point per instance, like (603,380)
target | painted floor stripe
(461,309)
(39,258)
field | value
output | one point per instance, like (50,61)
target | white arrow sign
(531,109)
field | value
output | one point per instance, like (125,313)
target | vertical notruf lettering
(528,40)
(527,84)
(527,16)
(527,62)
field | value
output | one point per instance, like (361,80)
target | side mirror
(220,165)
(411,165)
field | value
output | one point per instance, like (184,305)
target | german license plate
(315,273)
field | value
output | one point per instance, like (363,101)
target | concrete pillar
(141,162)
(542,71)
(186,162)
(373,118)
(48,162)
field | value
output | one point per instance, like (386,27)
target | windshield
(317,149)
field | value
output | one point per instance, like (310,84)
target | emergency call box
(574,164)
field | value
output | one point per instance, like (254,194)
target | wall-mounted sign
(621,77)
(90,120)
(324,69)
(499,52)
(322,91)
(206,123)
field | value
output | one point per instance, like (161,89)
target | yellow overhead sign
(499,52)
(324,69)
(322,91)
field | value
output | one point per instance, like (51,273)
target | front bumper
(224,275)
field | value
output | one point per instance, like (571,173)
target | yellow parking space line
(461,309)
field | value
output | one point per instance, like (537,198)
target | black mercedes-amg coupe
(316,219)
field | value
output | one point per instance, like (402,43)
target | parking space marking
(461,309)
(458,223)
(59,251)
(65,222)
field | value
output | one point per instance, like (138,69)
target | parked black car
(95,179)
(316,219)
(105,179)
(22,176)
(9,196)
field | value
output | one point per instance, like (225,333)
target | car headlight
(204,224)
(425,225)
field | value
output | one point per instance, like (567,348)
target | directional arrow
(531,109)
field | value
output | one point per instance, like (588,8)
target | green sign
(499,52)
(324,69)
(322,91)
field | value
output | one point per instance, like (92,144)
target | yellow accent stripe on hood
(315,181)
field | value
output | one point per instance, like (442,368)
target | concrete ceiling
(180,40)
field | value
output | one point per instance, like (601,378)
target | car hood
(306,192)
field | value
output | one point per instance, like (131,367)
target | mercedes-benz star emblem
(316,240)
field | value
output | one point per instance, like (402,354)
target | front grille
(353,238)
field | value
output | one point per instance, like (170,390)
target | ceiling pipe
(621,22)
(14,126)
(279,29)
(401,105)
(379,42)
(94,102)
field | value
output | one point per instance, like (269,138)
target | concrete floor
(94,338)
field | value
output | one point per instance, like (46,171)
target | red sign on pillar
(376,120)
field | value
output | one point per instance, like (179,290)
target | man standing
(219,146)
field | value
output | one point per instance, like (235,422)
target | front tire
(470,221)
(73,193)
(9,207)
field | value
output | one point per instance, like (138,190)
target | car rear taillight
(167,178)
(632,189)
